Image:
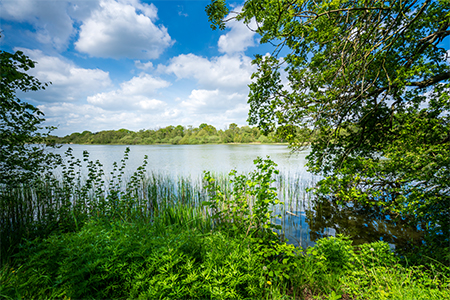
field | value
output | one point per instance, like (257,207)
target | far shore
(234,143)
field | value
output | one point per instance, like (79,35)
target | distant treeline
(177,135)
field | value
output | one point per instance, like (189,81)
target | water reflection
(362,223)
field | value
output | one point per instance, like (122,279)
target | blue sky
(134,64)
(131,64)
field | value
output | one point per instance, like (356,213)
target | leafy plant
(334,254)
(247,206)
(20,123)
(120,259)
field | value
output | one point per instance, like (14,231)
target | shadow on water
(306,218)
(324,217)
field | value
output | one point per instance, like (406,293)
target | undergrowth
(121,243)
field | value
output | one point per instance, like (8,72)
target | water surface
(305,218)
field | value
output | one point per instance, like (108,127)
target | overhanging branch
(430,81)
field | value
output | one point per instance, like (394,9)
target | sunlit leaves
(20,122)
(366,85)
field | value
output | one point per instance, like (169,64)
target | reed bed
(79,190)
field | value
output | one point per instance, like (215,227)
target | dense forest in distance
(176,135)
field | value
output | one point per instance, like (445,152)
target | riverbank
(178,258)
(153,237)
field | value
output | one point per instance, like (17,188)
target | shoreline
(113,144)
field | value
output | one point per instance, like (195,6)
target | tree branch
(430,81)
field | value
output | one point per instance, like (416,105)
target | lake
(192,160)
(305,218)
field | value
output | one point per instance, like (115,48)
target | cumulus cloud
(69,82)
(220,72)
(109,28)
(202,102)
(214,107)
(50,19)
(222,87)
(199,100)
(137,93)
(143,66)
(70,117)
(123,29)
(239,38)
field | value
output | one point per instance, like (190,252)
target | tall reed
(78,190)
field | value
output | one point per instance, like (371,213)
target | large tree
(369,80)
(21,129)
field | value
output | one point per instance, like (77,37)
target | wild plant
(247,207)
(65,197)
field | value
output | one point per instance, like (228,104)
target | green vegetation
(156,237)
(20,122)
(371,81)
(179,135)
(69,231)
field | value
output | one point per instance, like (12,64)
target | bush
(333,254)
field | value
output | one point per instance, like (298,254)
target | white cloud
(123,29)
(71,117)
(50,19)
(137,93)
(109,28)
(69,82)
(143,66)
(199,100)
(202,102)
(220,72)
(222,87)
(214,107)
(239,38)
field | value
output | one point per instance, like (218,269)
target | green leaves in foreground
(248,206)
(135,261)
(364,84)
(121,260)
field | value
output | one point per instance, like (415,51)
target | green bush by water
(135,260)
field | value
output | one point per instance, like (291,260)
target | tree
(368,81)
(20,122)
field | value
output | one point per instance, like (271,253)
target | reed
(79,190)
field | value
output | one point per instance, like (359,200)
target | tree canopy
(176,135)
(370,79)
(20,122)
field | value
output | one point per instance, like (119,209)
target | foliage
(370,81)
(20,122)
(247,208)
(148,241)
(179,135)
(333,254)
(141,260)
(79,191)
(120,259)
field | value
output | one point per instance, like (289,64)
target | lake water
(305,219)
(192,160)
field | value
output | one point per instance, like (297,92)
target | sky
(133,64)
